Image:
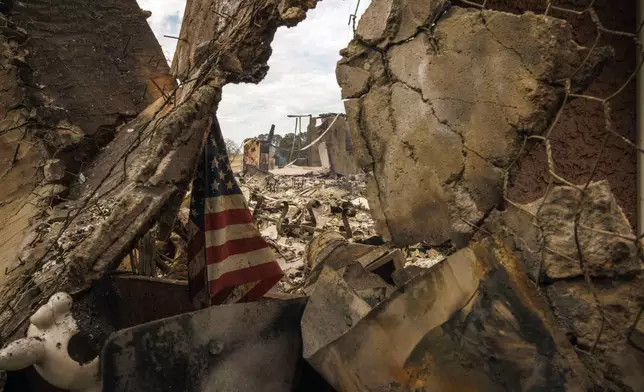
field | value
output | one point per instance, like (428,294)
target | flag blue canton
(214,177)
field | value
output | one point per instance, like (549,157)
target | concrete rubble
(472,323)
(406,269)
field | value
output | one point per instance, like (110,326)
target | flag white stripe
(229,233)
(240,261)
(223,203)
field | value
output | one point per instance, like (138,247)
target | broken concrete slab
(614,362)
(472,322)
(334,294)
(332,250)
(373,27)
(376,27)
(605,236)
(502,83)
(250,347)
(598,318)
(125,63)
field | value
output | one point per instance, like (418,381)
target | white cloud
(301,79)
(165,20)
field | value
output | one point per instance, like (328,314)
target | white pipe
(321,136)
(639,113)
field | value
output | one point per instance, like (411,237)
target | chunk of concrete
(440,125)
(331,250)
(54,170)
(615,361)
(331,311)
(472,322)
(605,255)
(374,26)
(389,22)
(416,14)
(543,232)
(359,69)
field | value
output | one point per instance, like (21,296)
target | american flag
(228,260)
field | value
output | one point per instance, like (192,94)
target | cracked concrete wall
(95,60)
(577,139)
(68,79)
(438,100)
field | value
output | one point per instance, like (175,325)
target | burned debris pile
(407,266)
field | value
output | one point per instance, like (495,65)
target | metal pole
(290,157)
(299,140)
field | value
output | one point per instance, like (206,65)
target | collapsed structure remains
(467,225)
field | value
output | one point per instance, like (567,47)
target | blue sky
(301,79)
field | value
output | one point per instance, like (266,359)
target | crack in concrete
(488,160)
(361,129)
(429,27)
(513,50)
(475,102)
(449,126)
(458,176)
(486,214)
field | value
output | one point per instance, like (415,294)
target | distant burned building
(259,153)
(334,149)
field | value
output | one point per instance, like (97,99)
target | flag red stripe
(260,289)
(225,218)
(218,254)
(259,272)
(221,296)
